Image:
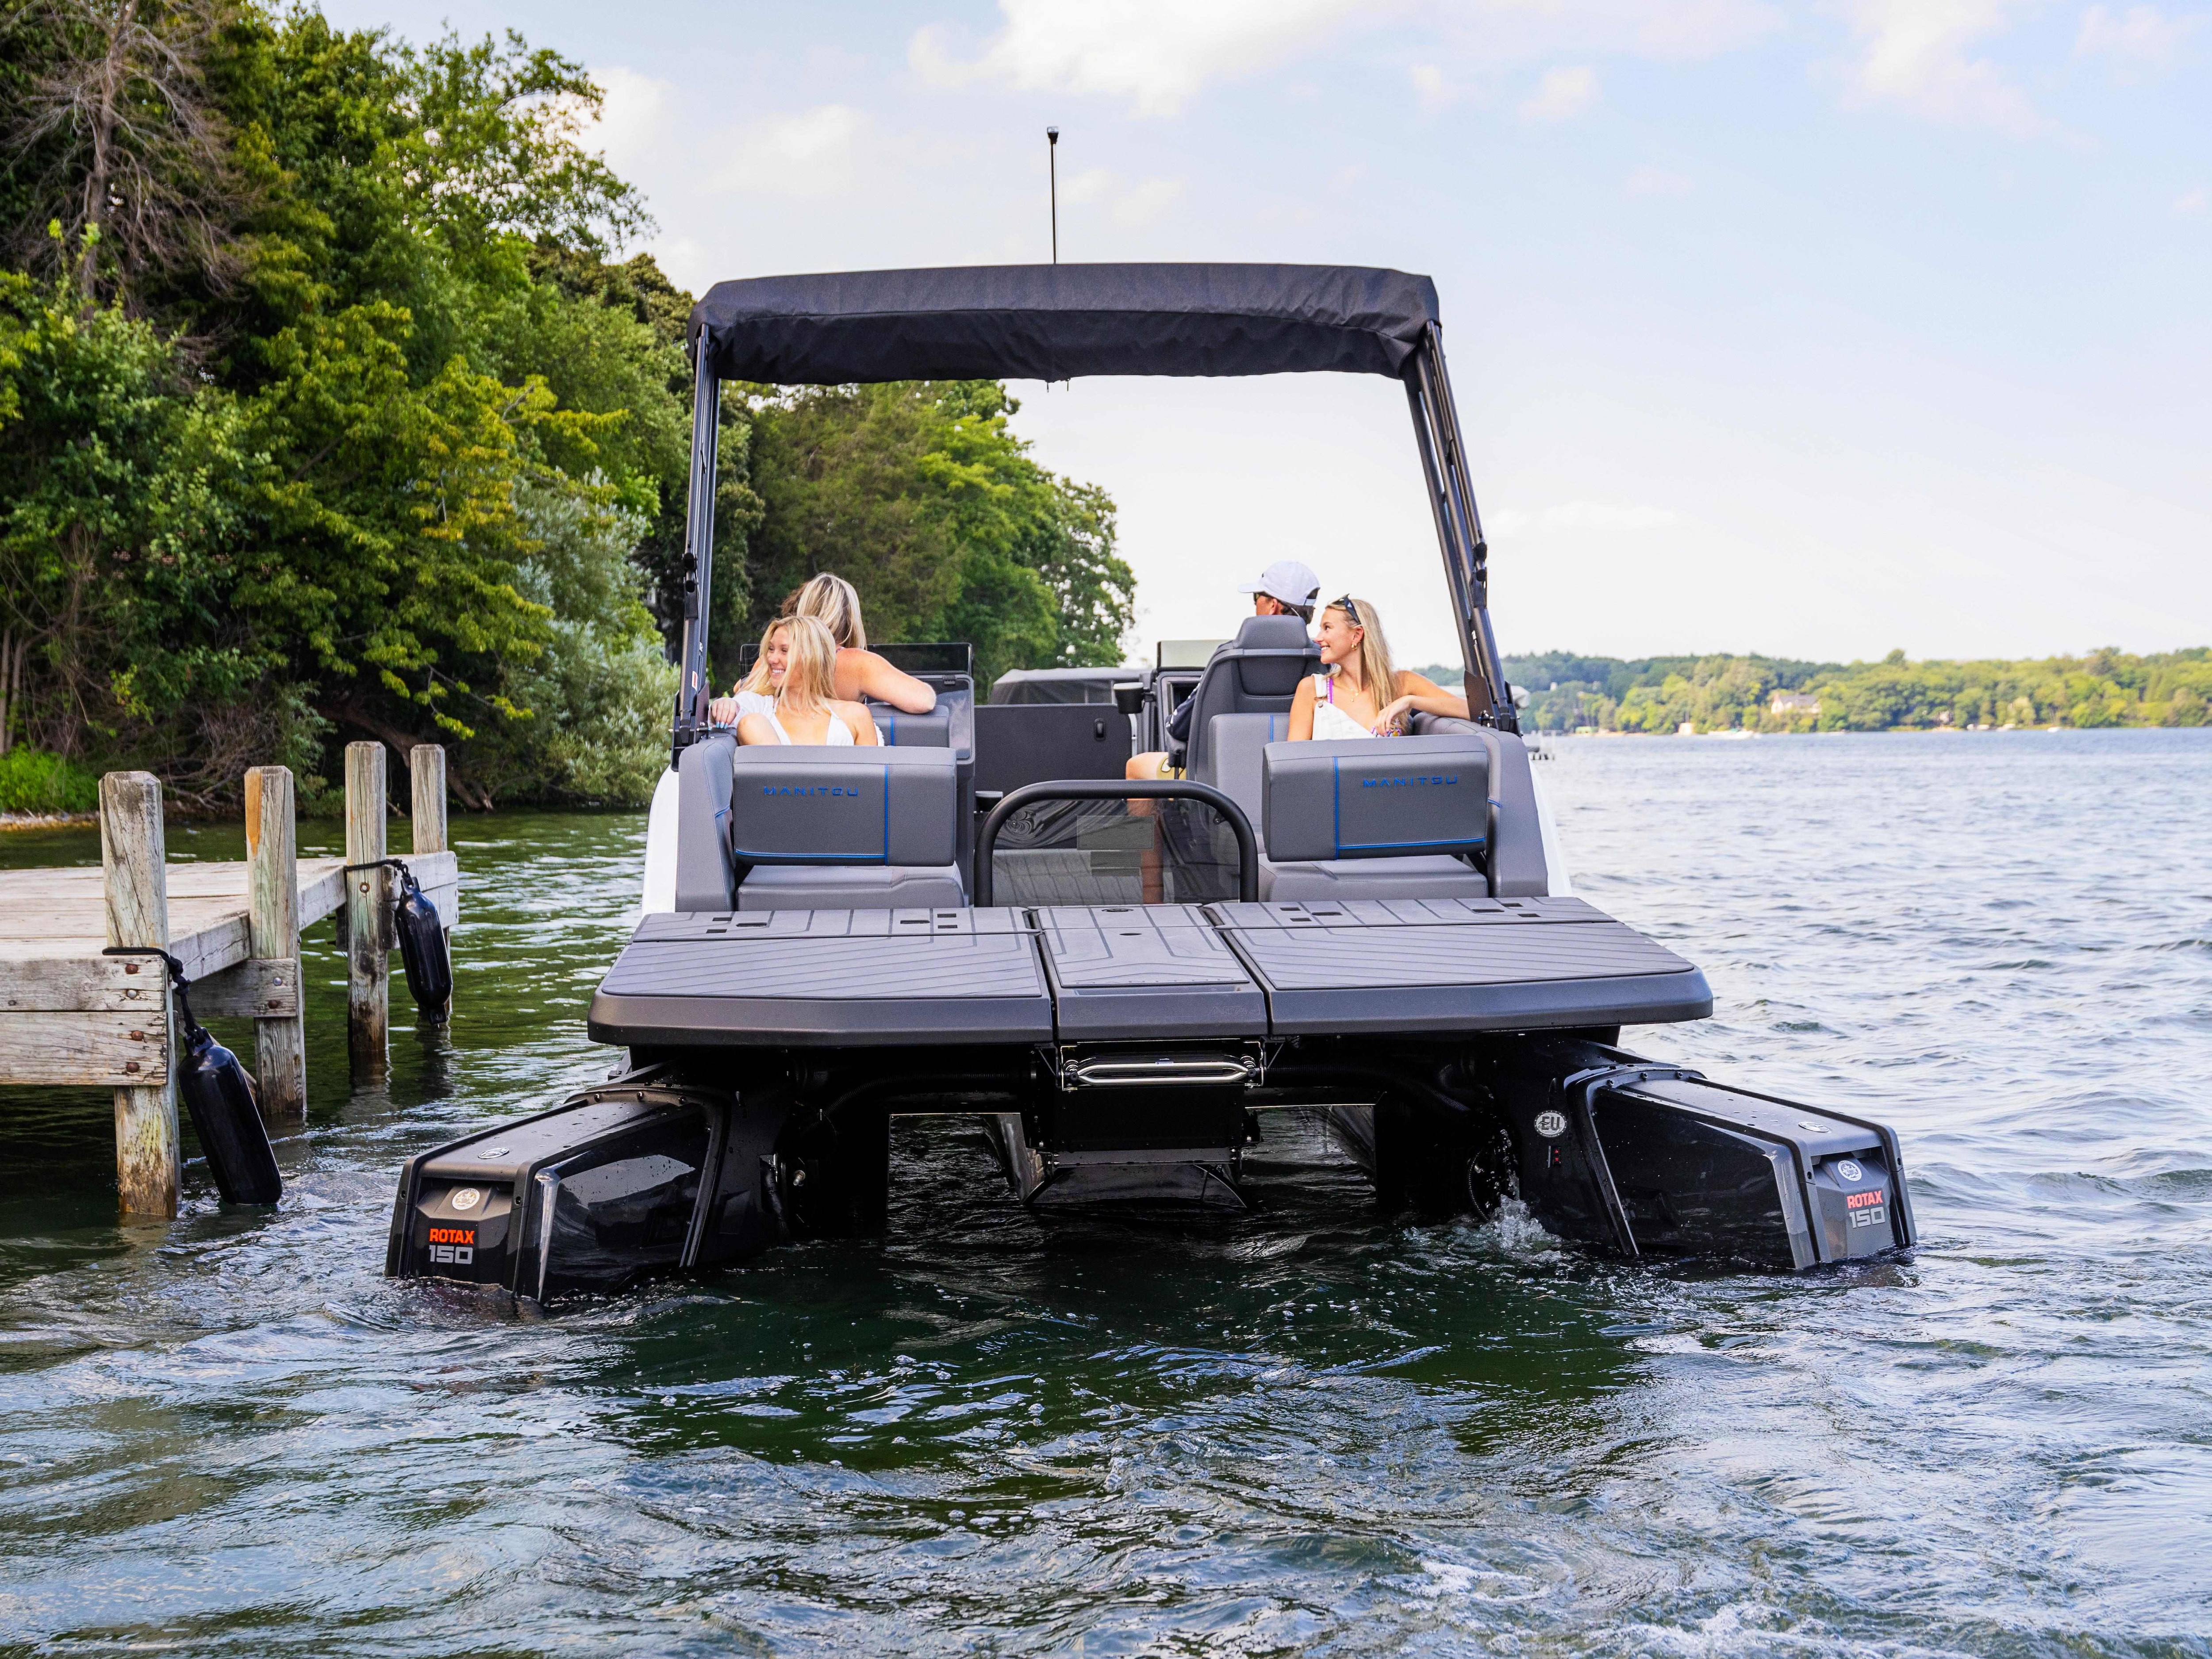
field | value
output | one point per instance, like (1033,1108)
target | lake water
(1314,1428)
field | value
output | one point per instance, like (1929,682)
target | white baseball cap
(1288,580)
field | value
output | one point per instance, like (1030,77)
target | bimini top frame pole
(1459,530)
(692,690)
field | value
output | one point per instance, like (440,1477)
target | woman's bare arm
(1301,711)
(753,728)
(1419,692)
(864,674)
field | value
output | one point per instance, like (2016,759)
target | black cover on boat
(1054,322)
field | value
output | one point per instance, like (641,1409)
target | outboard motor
(226,1113)
(647,1175)
(1652,1159)
(422,949)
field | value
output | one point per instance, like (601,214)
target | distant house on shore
(1793,703)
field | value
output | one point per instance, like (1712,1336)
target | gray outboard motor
(224,1111)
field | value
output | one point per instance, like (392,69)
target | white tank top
(840,735)
(1331,723)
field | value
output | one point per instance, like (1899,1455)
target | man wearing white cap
(1287,587)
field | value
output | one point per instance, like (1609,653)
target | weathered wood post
(134,863)
(426,768)
(368,975)
(280,1040)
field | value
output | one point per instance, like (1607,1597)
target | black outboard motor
(621,1182)
(1647,1159)
(226,1113)
(422,949)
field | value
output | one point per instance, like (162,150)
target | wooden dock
(70,1016)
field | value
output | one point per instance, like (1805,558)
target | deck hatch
(1143,971)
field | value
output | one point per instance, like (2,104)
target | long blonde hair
(809,679)
(1377,679)
(836,604)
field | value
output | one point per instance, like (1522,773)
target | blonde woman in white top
(801,659)
(1361,694)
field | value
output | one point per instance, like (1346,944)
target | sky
(1812,329)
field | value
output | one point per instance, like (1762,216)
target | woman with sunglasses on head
(1361,694)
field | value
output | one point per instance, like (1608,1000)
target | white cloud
(2190,202)
(636,117)
(810,154)
(2142,37)
(1562,92)
(1159,54)
(1657,181)
(1156,54)
(1916,53)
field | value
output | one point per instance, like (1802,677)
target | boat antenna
(1052,170)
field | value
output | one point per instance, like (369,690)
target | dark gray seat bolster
(1435,875)
(930,730)
(1256,673)
(1516,835)
(803,803)
(852,887)
(1233,756)
(704,874)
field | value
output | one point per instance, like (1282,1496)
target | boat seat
(1256,673)
(823,828)
(1375,817)
(902,731)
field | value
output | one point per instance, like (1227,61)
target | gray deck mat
(861,977)
(1080,973)
(1382,965)
(1136,972)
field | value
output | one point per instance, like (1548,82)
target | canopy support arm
(1459,531)
(692,690)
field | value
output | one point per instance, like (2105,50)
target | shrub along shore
(2108,688)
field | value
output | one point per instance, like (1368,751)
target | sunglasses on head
(1349,608)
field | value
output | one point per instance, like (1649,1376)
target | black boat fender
(422,949)
(224,1111)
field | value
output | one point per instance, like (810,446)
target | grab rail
(1247,846)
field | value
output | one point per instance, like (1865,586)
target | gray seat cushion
(813,805)
(1433,875)
(852,887)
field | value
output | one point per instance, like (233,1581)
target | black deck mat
(863,977)
(1145,971)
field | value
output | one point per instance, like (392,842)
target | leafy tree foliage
(329,406)
(920,496)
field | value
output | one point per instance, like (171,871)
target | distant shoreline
(1564,692)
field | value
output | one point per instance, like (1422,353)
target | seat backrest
(1374,797)
(809,805)
(1233,755)
(1256,673)
(1517,861)
(930,730)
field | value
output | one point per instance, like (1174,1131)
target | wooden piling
(368,987)
(133,856)
(280,1038)
(426,768)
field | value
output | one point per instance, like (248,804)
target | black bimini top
(1056,322)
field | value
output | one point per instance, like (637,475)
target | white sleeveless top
(840,735)
(1331,723)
